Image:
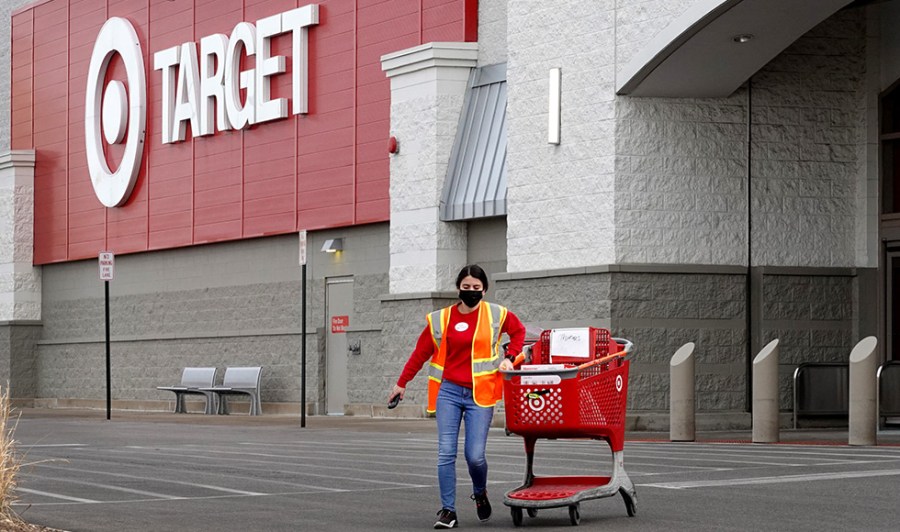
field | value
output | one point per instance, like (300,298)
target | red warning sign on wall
(339,324)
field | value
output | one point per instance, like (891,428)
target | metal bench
(239,381)
(192,380)
(821,389)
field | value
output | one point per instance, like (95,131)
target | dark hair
(475,271)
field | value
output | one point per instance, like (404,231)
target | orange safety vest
(487,382)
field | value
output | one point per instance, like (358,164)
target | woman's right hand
(397,391)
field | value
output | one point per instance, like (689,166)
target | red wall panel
(21,81)
(49,96)
(328,168)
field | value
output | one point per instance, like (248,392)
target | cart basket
(567,401)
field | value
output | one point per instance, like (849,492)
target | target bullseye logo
(536,400)
(115,113)
(619,383)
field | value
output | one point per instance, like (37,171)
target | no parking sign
(107,262)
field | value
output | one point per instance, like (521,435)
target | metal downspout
(749,279)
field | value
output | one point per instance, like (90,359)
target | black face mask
(471,297)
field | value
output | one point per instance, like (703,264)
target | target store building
(719,172)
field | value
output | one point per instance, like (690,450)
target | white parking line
(163,480)
(769,480)
(213,497)
(107,487)
(26,447)
(56,496)
(774,451)
(242,457)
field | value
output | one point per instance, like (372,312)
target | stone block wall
(812,316)
(403,319)
(660,309)
(681,186)
(492,24)
(17,359)
(219,305)
(674,171)
(657,311)
(20,282)
(556,300)
(427,94)
(560,198)
(638,21)
(660,312)
(77,370)
(364,385)
(156,335)
(809,148)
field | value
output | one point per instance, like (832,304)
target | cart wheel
(507,431)
(574,515)
(630,501)
(516,515)
(532,512)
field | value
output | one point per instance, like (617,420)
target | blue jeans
(455,403)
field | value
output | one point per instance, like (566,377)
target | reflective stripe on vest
(486,366)
(437,321)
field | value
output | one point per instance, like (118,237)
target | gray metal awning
(716,45)
(476,178)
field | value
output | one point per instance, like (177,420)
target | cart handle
(628,346)
(600,361)
(626,350)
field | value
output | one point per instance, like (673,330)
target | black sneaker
(482,506)
(446,519)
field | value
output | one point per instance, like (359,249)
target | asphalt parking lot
(195,472)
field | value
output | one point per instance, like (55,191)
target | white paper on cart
(570,343)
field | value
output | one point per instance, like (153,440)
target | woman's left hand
(506,365)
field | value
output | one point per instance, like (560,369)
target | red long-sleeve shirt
(459,334)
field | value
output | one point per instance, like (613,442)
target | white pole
(681,394)
(863,390)
(765,394)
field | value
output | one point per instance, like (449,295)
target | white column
(765,395)
(20,281)
(682,407)
(428,85)
(863,418)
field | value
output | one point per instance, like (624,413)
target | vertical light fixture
(554,101)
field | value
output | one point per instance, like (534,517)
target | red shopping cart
(574,387)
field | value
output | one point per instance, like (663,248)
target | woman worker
(463,343)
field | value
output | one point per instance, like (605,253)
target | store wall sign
(203,90)
(117,36)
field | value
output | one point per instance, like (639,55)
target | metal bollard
(863,392)
(765,394)
(681,394)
